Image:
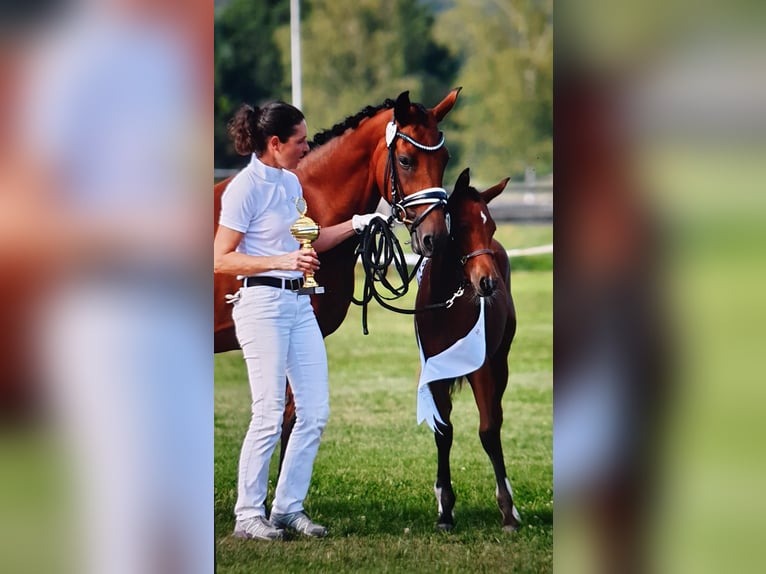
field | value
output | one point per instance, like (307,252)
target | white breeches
(279,336)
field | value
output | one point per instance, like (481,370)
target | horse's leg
(445,496)
(288,422)
(488,385)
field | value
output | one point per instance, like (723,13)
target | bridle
(464,282)
(378,247)
(432,196)
(464,259)
(378,250)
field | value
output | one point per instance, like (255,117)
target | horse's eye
(404,161)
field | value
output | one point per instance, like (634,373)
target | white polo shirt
(260,202)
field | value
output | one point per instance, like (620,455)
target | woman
(275,326)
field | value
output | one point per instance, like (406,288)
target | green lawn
(373,478)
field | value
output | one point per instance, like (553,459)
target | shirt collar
(268,173)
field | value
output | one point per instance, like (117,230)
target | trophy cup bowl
(305,230)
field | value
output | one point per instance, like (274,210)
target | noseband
(464,259)
(432,196)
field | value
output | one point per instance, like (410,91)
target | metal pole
(295,52)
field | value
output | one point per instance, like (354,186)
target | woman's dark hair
(251,128)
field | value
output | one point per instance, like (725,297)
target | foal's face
(473,231)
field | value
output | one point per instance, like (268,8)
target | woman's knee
(267,417)
(314,418)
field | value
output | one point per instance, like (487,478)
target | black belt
(289,284)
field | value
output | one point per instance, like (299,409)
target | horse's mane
(351,122)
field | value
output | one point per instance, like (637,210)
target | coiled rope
(379,250)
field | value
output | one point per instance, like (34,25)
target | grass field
(373,477)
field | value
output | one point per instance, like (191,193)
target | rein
(378,249)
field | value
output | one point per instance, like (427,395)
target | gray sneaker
(300,522)
(259,528)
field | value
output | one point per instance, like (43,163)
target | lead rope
(379,248)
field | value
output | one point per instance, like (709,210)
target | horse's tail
(456,385)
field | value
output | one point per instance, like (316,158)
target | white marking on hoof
(507,485)
(514,511)
(438,493)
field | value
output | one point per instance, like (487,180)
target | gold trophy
(305,230)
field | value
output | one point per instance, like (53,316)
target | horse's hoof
(445,527)
(510,528)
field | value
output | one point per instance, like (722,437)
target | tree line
(359,52)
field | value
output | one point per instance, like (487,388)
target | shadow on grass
(353,518)
(487,518)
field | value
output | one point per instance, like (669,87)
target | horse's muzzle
(427,244)
(487,286)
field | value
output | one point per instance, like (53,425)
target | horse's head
(472,231)
(415,161)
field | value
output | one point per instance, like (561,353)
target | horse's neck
(446,272)
(338,178)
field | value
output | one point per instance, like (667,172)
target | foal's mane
(352,122)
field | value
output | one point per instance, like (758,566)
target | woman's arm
(228,261)
(329,237)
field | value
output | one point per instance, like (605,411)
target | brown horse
(394,151)
(465,329)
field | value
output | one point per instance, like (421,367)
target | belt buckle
(294,284)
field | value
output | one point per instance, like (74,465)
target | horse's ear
(463,181)
(489,194)
(442,108)
(402,109)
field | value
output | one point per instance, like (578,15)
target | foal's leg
(488,385)
(445,496)
(288,422)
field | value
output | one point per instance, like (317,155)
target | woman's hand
(300,260)
(360,222)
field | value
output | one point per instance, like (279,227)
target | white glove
(359,222)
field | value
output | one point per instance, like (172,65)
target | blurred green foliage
(248,65)
(359,52)
(504,123)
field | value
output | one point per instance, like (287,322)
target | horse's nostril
(487,285)
(428,242)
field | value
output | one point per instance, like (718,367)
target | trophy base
(318,290)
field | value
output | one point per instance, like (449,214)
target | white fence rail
(412,259)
